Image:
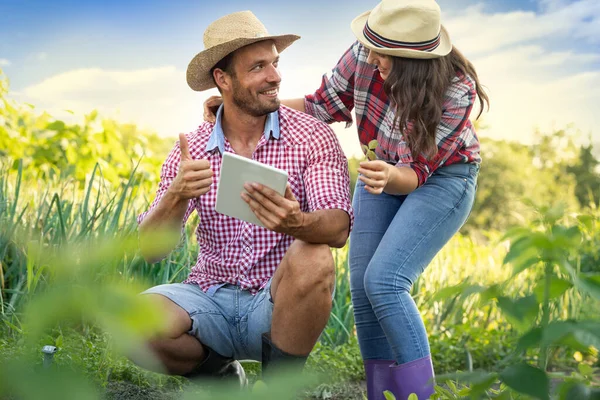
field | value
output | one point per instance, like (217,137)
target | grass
(73,250)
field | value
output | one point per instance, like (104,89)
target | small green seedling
(369,150)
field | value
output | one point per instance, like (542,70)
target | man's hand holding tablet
(257,193)
(277,213)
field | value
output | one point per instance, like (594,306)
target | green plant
(369,150)
(550,246)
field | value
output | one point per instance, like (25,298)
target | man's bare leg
(302,288)
(178,352)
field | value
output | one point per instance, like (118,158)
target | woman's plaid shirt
(354,83)
(237,252)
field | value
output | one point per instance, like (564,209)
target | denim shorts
(229,320)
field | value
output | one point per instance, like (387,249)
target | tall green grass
(52,214)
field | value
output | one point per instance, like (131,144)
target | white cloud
(480,32)
(155,98)
(531,82)
(4,62)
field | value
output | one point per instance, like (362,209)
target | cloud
(155,98)
(482,32)
(4,62)
(532,81)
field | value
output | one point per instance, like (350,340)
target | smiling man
(253,293)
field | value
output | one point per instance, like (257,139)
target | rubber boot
(378,374)
(221,367)
(274,359)
(413,377)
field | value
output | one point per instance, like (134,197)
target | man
(254,293)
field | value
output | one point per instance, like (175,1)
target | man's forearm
(330,227)
(163,222)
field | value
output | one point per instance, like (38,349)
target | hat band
(385,43)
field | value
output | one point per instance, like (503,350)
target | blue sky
(539,58)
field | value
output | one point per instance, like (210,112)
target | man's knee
(176,320)
(310,267)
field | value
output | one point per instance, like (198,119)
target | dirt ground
(129,391)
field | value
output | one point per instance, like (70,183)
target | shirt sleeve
(457,109)
(167,175)
(334,100)
(326,178)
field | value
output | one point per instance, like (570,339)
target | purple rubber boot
(413,377)
(379,378)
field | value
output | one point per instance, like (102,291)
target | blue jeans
(394,238)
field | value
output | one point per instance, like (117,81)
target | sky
(538,59)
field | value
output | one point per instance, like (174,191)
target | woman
(412,92)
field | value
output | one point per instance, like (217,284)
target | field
(511,303)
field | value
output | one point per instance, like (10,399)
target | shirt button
(247,249)
(243,277)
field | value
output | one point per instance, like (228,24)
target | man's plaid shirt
(241,253)
(354,83)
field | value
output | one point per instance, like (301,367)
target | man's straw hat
(403,28)
(224,36)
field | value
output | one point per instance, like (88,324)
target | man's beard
(252,105)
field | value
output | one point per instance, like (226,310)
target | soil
(123,390)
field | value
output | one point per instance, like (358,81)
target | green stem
(543,360)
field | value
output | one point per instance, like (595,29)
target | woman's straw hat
(224,36)
(403,28)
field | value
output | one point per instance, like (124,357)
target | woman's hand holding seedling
(374,173)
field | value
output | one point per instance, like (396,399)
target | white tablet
(235,172)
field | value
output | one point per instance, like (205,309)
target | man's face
(256,79)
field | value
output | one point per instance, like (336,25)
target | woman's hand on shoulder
(211,105)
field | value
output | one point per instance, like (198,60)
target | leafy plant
(550,246)
(369,149)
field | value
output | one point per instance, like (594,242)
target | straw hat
(224,36)
(403,28)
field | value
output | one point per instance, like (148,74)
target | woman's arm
(296,104)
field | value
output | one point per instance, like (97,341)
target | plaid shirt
(236,252)
(354,83)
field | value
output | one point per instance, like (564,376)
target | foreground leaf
(527,380)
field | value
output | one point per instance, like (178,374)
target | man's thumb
(185,149)
(288,193)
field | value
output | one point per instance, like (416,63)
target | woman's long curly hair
(416,89)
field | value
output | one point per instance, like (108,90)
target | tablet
(235,172)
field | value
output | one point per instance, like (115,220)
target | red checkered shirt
(354,83)
(237,252)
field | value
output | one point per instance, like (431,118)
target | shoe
(221,367)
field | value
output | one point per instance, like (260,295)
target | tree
(588,180)
(513,175)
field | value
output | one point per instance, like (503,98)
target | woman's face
(382,62)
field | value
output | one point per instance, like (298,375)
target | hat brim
(358,25)
(198,71)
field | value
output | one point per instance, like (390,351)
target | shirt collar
(217,137)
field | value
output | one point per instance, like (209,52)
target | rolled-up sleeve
(326,177)
(167,175)
(334,100)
